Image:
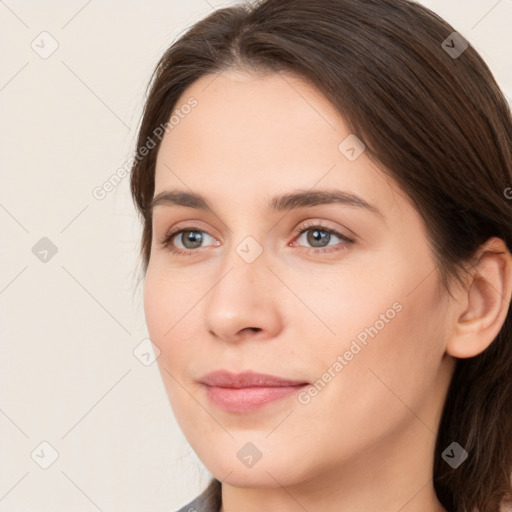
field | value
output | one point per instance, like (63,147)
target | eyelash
(304,228)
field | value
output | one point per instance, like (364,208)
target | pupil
(317,236)
(194,237)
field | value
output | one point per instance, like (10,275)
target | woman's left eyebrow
(282,202)
(309,198)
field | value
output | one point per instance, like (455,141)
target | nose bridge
(244,250)
(243,272)
(241,296)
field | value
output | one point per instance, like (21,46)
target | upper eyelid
(305,225)
(175,230)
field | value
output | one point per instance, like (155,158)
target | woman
(326,255)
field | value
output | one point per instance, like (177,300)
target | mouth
(247,391)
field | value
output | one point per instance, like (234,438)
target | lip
(248,379)
(247,391)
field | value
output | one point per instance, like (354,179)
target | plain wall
(70,324)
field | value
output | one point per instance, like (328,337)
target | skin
(366,441)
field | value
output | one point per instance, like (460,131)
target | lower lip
(248,399)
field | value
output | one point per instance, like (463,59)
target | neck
(291,499)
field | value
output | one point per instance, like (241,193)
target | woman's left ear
(484,304)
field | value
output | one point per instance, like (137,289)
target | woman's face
(361,321)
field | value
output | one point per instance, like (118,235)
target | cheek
(387,377)
(170,307)
(382,325)
(154,304)
(401,358)
(161,308)
(350,305)
(165,311)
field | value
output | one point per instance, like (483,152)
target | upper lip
(248,379)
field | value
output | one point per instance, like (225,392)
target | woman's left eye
(317,235)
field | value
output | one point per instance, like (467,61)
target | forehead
(251,136)
(252,117)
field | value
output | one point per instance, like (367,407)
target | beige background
(69,326)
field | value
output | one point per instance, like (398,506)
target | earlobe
(486,302)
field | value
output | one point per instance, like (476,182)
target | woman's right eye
(191,236)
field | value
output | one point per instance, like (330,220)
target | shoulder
(208,501)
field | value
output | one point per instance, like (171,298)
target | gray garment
(208,501)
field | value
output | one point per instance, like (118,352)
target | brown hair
(436,122)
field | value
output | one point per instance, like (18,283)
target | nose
(243,303)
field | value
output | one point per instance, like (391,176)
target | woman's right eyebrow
(282,202)
(180,198)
